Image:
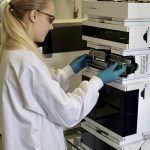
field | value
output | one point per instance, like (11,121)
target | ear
(33,16)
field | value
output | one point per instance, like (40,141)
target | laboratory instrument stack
(118,31)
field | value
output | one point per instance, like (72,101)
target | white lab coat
(34,107)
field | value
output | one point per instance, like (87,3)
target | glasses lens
(52,18)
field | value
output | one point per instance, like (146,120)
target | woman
(34,104)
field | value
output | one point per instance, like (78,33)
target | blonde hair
(13,32)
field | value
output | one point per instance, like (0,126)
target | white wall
(64,8)
(59,60)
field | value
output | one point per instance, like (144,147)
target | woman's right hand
(112,73)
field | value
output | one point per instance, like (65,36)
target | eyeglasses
(51,17)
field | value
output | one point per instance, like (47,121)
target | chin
(40,40)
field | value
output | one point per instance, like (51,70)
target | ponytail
(13,33)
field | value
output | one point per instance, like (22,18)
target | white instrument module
(118,31)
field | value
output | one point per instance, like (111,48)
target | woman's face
(40,22)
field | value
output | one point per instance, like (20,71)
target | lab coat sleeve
(63,76)
(44,96)
(146,145)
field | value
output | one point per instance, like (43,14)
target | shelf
(66,21)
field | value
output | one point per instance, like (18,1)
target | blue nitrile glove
(80,62)
(112,73)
